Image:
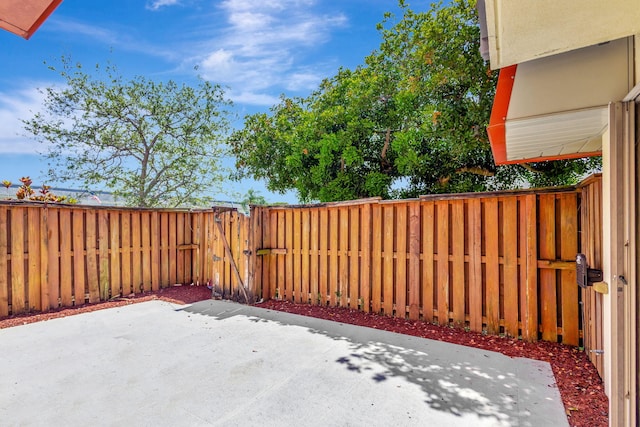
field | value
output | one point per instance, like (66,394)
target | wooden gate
(591,246)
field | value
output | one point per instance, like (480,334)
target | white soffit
(558,134)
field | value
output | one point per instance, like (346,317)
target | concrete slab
(223,364)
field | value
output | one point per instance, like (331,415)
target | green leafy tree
(411,120)
(151,143)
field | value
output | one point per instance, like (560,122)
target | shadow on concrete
(454,379)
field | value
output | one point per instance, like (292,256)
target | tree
(411,120)
(151,143)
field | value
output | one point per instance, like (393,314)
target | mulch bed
(580,386)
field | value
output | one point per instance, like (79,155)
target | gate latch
(586,276)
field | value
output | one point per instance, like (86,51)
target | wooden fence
(52,256)
(503,263)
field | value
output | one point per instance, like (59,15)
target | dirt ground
(580,386)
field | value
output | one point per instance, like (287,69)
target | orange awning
(557,107)
(24,17)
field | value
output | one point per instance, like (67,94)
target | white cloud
(263,46)
(17,105)
(157,4)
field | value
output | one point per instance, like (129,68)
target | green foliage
(151,143)
(411,120)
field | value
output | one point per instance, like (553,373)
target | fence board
(173,248)
(297,250)
(365,262)
(510,255)
(474,219)
(79,268)
(44,258)
(458,270)
(17,261)
(387,264)
(324,257)
(343,281)
(92,257)
(136,254)
(442,288)
(66,266)
(114,253)
(401,261)
(145,224)
(181,266)
(492,266)
(154,229)
(279,258)
(547,242)
(568,249)
(5,281)
(289,257)
(314,259)
(529,278)
(125,248)
(376,259)
(306,238)
(428,287)
(33,249)
(414,261)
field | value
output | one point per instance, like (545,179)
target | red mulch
(580,386)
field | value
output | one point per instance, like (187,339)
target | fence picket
(33,249)
(458,270)
(568,288)
(492,266)
(401,261)
(510,255)
(428,288)
(66,267)
(442,283)
(476,284)
(79,257)
(92,257)
(547,242)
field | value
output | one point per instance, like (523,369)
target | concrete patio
(224,364)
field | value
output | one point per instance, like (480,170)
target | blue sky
(258,49)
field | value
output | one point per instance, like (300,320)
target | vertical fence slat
(365,262)
(324,257)
(17,261)
(343,284)
(34,278)
(145,224)
(297,249)
(136,254)
(547,244)
(173,248)
(53,226)
(568,249)
(313,262)
(286,291)
(442,284)
(401,261)
(387,264)
(354,257)
(475,264)
(79,234)
(114,252)
(181,268)
(458,271)
(414,260)
(92,257)
(510,256)
(427,260)
(492,265)
(529,277)
(376,259)
(164,249)
(4,264)
(103,257)
(66,266)
(125,248)
(289,257)
(44,258)
(155,251)
(273,259)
